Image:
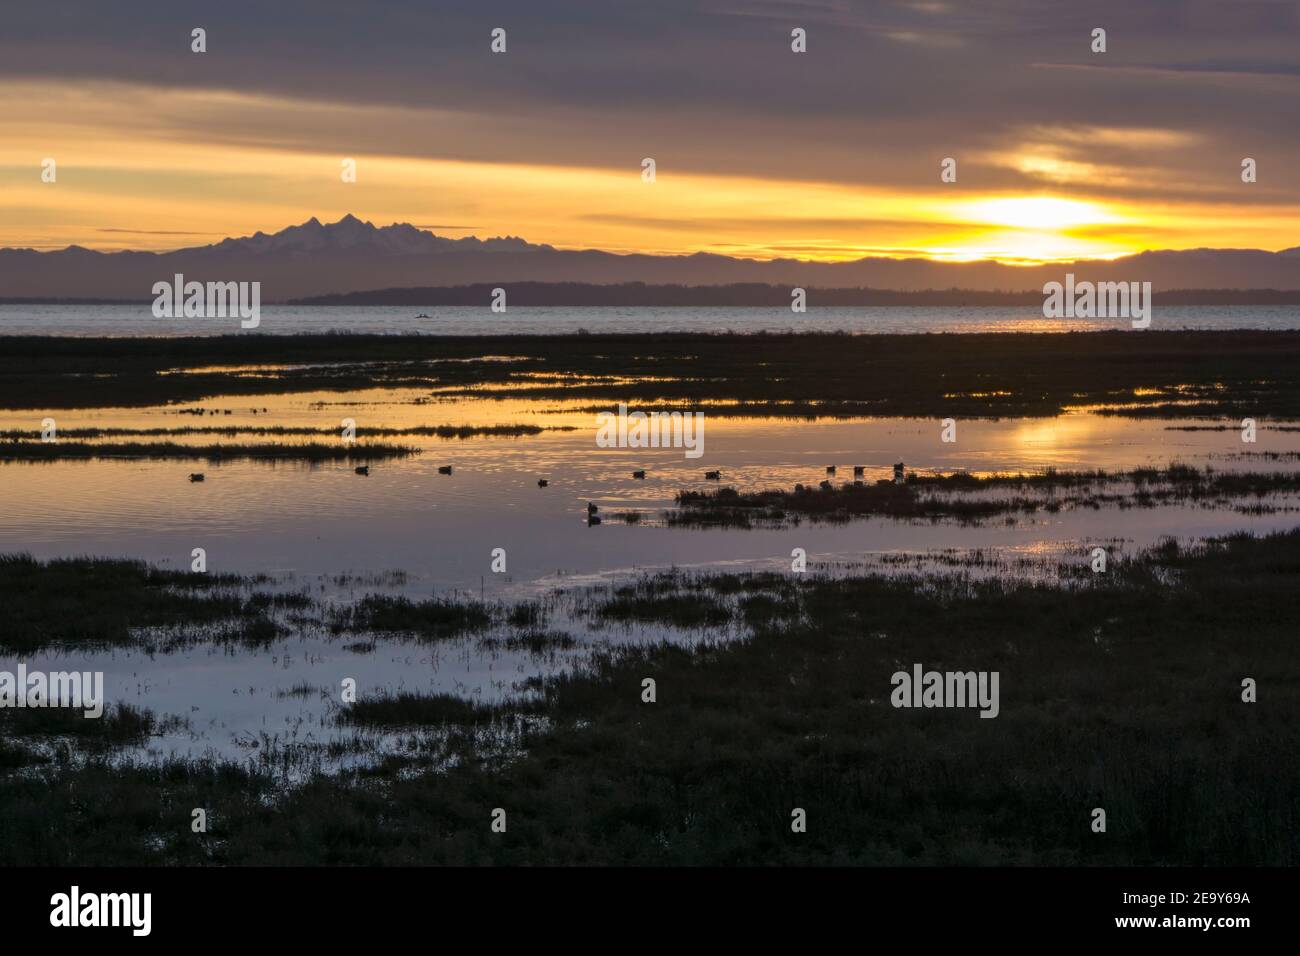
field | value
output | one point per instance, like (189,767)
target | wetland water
(313,520)
(408,529)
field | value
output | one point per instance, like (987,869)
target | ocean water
(138,320)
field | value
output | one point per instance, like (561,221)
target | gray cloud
(886,89)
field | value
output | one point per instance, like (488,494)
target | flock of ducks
(361,470)
(900,477)
(858,471)
(593,511)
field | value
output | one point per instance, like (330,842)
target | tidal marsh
(34,451)
(90,603)
(1123,692)
(1171,374)
(478,689)
(958,496)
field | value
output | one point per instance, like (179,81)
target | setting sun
(1038,212)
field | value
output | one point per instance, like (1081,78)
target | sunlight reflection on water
(129,320)
(307,524)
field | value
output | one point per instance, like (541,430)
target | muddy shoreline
(1189,374)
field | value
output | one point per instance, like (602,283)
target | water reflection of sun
(1049,439)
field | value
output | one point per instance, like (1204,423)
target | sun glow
(124,183)
(1041,213)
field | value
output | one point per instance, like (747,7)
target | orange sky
(156,165)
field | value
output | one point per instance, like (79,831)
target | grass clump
(435,618)
(88,603)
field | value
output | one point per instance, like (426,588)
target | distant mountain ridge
(401,238)
(349,256)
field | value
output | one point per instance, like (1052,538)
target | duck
(196,476)
(542,482)
(444,469)
(713,475)
(362,469)
(638,474)
(826,486)
(858,470)
(830,469)
(591,509)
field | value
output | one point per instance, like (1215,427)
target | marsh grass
(1121,691)
(657,600)
(120,724)
(535,642)
(1174,374)
(231,431)
(407,709)
(964,497)
(313,451)
(89,603)
(435,618)
(14,756)
(36,737)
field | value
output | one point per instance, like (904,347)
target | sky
(834,153)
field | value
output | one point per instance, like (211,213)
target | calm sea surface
(135,320)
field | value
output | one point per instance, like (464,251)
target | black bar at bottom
(366,905)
